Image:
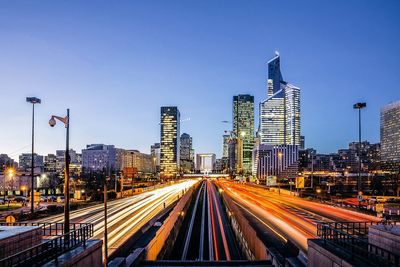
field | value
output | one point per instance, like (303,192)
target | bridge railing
(352,238)
(51,248)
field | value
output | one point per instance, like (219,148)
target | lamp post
(105,219)
(33,101)
(359,106)
(52,123)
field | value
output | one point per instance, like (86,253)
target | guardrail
(49,229)
(352,238)
(52,248)
(359,229)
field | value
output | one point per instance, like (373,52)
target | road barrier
(169,230)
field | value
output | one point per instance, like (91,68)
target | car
(20,199)
(51,198)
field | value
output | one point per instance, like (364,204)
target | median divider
(168,232)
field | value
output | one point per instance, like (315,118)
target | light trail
(127,215)
(288,217)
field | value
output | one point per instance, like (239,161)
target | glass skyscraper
(170,142)
(243,126)
(186,153)
(390,132)
(280,112)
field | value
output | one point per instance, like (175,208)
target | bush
(52,209)
(111,195)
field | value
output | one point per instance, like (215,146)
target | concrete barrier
(168,232)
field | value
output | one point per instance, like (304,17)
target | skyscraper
(225,144)
(390,132)
(170,142)
(186,156)
(243,126)
(280,112)
(274,73)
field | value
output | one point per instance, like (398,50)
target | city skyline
(105,89)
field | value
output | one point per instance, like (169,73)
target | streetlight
(52,123)
(33,101)
(359,106)
(280,154)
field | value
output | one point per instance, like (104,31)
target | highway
(127,215)
(207,235)
(288,217)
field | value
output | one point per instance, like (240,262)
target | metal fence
(52,248)
(352,238)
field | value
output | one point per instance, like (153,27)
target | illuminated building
(390,132)
(170,142)
(186,153)
(243,128)
(280,161)
(280,112)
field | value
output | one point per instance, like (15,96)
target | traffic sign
(359,198)
(10,219)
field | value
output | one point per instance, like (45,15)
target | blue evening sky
(114,63)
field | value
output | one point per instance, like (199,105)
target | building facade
(280,111)
(205,163)
(390,132)
(170,142)
(186,153)
(25,161)
(243,127)
(156,153)
(98,158)
(280,161)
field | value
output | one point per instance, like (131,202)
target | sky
(115,63)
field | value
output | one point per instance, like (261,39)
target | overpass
(206,175)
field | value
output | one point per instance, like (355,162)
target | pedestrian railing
(51,248)
(352,237)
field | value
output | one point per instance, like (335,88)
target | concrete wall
(14,239)
(386,237)
(168,232)
(319,256)
(89,256)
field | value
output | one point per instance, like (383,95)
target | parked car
(20,199)
(60,199)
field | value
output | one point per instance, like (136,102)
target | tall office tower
(280,112)
(243,126)
(302,142)
(170,142)
(186,151)
(272,118)
(274,74)
(225,144)
(292,110)
(390,132)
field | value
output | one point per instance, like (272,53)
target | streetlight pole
(33,101)
(52,123)
(359,106)
(105,219)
